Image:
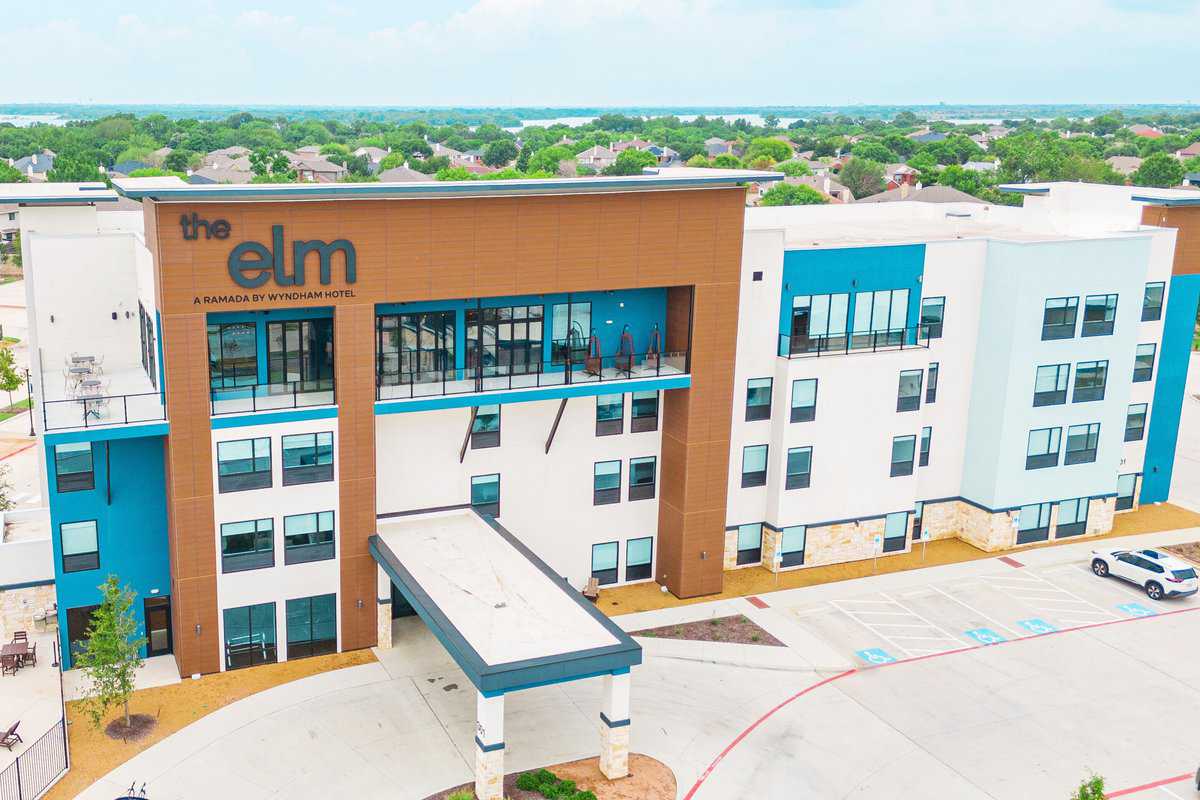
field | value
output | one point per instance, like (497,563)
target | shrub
(588,795)
(465,794)
(528,782)
(1090,789)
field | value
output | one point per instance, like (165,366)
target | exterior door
(78,620)
(158,626)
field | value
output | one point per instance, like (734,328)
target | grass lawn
(14,409)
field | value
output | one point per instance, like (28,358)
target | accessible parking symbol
(1135,610)
(1036,625)
(985,636)
(874,655)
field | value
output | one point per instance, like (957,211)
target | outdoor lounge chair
(11,736)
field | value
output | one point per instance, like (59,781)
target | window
(1135,422)
(73,467)
(571,326)
(232,355)
(247,545)
(918,519)
(146,335)
(1090,378)
(1143,362)
(1099,313)
(895,531)
(749,543)
(880,318)
(308,537)
(485,494)
(1041,450)
(1152,302)
(926,436)
(902,455)
(485,428)
(606,483)
(791,545)
(610,414)
(1081,443)
(415,348)
(933,312)
(644,412)
(80,546)
(931,384)
(819,322)
(1033,523)
(508,341)
(758,399)
(908,395)
(641,477)
(1125,486)
(1072,518)
(249,635)
(804,400)
(1050,385)
(243,464)
(604,562)
(300,351)
(311,626)
(1058,318)
(799,468)
(639,557)
(307,458)
(754,465)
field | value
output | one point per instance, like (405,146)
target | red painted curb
(757,602)
(1147,786)
(1012,562)
(15,452)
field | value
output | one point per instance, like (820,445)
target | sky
(602,52)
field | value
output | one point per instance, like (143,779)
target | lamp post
(29,395)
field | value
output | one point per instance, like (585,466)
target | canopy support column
(489,747)
(383,610)
(614,726)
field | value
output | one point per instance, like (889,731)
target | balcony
(252,398)
(96,398)
(848,343)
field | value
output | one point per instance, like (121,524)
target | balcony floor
(128,397)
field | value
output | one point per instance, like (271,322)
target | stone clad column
(614,726)
(489,747)
(383,605)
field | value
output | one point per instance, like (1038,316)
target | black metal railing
(249,398)
(96,412)
(41,763)
(474,380)
(849,342)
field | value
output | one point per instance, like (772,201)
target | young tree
(1160,170)
(10,378)
(631,162)
(772,148)
(499,152)
(1091,789)
(109,657)
(862,177)
(9,174)
(793,169)
(793,194)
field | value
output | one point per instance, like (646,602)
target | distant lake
(24,120)
(574,122)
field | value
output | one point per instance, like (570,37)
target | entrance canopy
(504,616)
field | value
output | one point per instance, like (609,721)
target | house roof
(59,194)
(1124,164)
(595,152)
(928,194)
(221,174)
(899,169)
(981,166)
(373,153)
(1145,130)
(637,144)
(1192,149)
(823,184)
(126,167)
(403,174)
(230,152)
(38,163)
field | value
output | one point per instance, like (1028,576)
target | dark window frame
(609,494)
(267,654)
(804,413)
(639,572)
(74,480)
(1142,373)
(610,426)
(1089,393)
(1077,528)
(603,575)
(255,478)
(926,443)
(792,558)
(904,467)
(317,550)
(935,329)
(1152,311)
(1039,533)
(316,472)
(252,559)
(1061,328)
(1049,458)
(1057,397)
(798,480)
(484,439)
(1125,502)
(1136,433)
(892,544)
(306,648)
(490,508)
(643,490)
(1105,325)
(757,477)
(758,410)
(1086,454)
(84,560)
(909,402)
(931,383)
(642,423)
(749,555)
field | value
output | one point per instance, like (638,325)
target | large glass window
(641,477)
(749,543)
(639,558)
(485,494)
(1099,314)
(73,471)
(754,465)
(1143,362)
(307,458)
(146,335)
(804,400)
(880,318)
(308,537)
(799,468)
(1058,318)
(1041,450)
(933,315)
(247,545)
(415,348)
(908,395)
(1050,385)
(1082,441)
(300,351)
(80,546)
(570,330)
(232,355)
(243,464)
(610,414)
(311,626)
(1125,486)
(758,399)
(895,531)
(1033,523)
(792,546)
(604,562)
(926,440)
(903,451)
(249,635)
(1135,422)
(819,322)
(932,383)
(644,412)
(606,482)
(485,428)
(1072,518)
(1152,302)
(505,341)
(1090,379)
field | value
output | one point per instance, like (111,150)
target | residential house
(1192,180)
(597,158)
(925,135)
(315,169)
(160,155)
(715,146)
(1146,131)
(440,149)
(473,156)
(927,194)
(636,144)
(664,154)
(124,168)
(372,154)
(982,166)
(9,224)
(1191,151)
(826,185)
(1126,165)
(403,174)
(34,167)
(896,174)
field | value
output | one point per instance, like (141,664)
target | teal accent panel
(1172,368)
(531,395)
(274,417)
(131,528)
(110,433)
(850,270)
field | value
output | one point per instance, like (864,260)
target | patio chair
(11,736)
(31,656)
(592,590)
(9,664)
(20,636)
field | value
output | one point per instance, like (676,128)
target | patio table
(18,649)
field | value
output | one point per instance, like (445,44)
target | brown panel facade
(1186,220)
(410,250)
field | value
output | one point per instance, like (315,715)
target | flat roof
(1138,194)
(505,616)
(57,194)
(172,189)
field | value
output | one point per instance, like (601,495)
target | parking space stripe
(937,628)
(994,622)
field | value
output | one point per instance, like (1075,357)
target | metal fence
(37,766)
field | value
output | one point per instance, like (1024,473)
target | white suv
(1161,575)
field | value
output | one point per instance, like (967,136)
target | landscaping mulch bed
(139,728)
(1188,550)
(648,779)
(738,629)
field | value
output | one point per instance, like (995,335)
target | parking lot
(1004,603)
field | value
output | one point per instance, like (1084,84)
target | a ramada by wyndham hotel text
(640,378)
